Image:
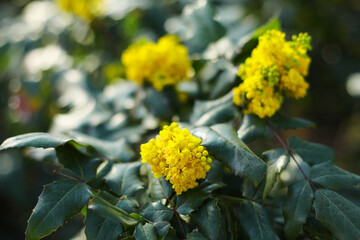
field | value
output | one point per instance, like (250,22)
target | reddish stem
(289,150)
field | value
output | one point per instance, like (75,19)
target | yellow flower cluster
(276,67)
(85,9)
(178,156)
(161,64)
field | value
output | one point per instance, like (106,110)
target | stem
(289,150)
(175,211)
(66,176)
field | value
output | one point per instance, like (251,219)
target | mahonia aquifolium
(85,9)
(276,68)
(160,64)
(178,156)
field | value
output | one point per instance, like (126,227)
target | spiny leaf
(338,214)
(256,223)
(331,176)
(157,212)
(123,178)
(145,232)
(162,228)
(111,212)
(83,165)
(288,122)
(207,219)
(312,153)
(37,139)
(118,150)
(223,143)
(277,161)
(252,127)
(98,227)
(192,199)
(296,207)
(207,113)
(58,202)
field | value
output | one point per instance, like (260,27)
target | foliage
(95,139)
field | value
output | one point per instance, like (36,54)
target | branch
(289,150)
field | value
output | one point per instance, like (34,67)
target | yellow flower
(178,156)
(85,9)
(276,67)
(162,64)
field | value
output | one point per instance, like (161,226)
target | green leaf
(202,26)
(251,128)
(123,178)
(207,113)
(312,153)
(333,177)
(58,202)
(255,222)
(225,81)
(37,139)
(159,188)
(288,122)
(195,236)
(251,41)
(108,210)
(297,207)
(81,164)
(157,212)
(223,143)
(145,232)
(162,228)
(192,199)
(98,227)
(117,150)
(158,104)
(338,214)
(277,161)
(207,219)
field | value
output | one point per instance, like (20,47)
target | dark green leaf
(225,81)
(195,236)
(207,113)
(123,178)
(58,202)
(331,176)
(251,41)
(192,199)
(158,104)
(251,128)
(127,205)
(162,228)
(202,25)
(277,161)
(159,188)
(83,165)
(98,227)
(296,207)
(255,222)
(37,139)
(288,122)
(145,232)
(157,212)
(223,143)
(207,219)
(118,150)
(108,210)
(312,153)
(338,214)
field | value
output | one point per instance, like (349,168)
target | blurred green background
(52,62)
